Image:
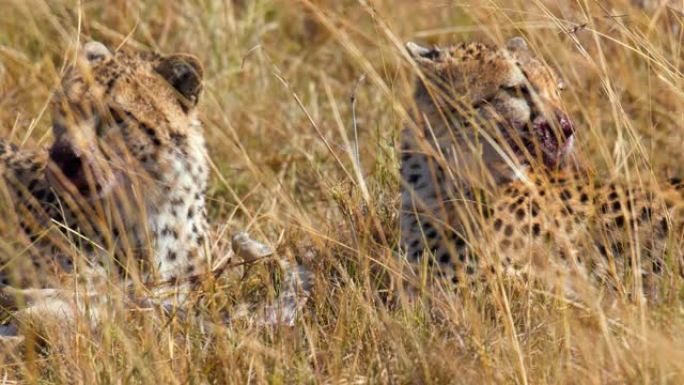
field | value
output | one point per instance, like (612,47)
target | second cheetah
(486,188)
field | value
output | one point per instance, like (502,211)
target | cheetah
(121,190)
(489,183)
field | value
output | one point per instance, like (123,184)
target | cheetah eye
(479,104)
(521,89)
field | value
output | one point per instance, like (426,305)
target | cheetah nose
(566,126)
(66,159)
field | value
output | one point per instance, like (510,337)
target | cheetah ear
(517,44)
(423,55)
(94,51)
(184,73)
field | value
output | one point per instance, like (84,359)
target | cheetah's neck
(178,221)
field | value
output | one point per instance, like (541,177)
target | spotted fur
(568,230)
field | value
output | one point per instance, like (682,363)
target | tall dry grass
(295,167)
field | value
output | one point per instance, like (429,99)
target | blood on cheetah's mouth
(540,138)
(73,169)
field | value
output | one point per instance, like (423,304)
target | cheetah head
(506,93)
(122,114)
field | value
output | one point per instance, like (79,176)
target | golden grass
(278,119)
